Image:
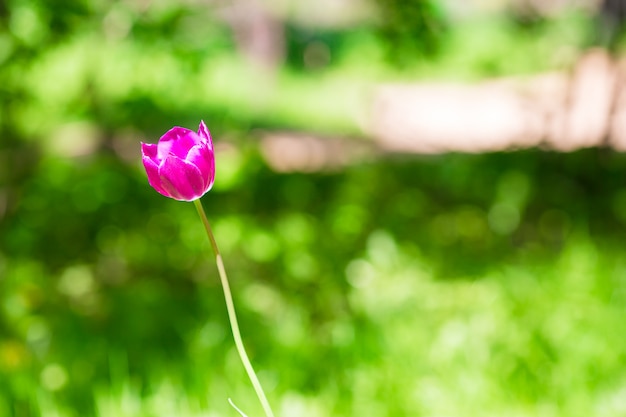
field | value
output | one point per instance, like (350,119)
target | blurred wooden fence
(562,111)
(585,107)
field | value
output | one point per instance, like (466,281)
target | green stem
(232,317)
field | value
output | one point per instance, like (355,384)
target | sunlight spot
(261,246)
(360,273)
(503,218)
(53,377)
(76,281)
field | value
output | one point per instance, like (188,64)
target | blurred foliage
(403,285)
(610,22)
(411,29)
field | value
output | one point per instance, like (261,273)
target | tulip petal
(208,153)
(152,169)
(149,150)
(204,133)
(203,158)
(177,141)
(182,180)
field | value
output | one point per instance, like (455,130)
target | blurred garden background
(381,264)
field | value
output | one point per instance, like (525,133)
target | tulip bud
(182,165)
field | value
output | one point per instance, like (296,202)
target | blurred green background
(395,285)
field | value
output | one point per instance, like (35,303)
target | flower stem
(232,317)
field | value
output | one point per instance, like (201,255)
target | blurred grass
(365,303)
(466,285)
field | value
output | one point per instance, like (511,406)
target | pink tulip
(182,165)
